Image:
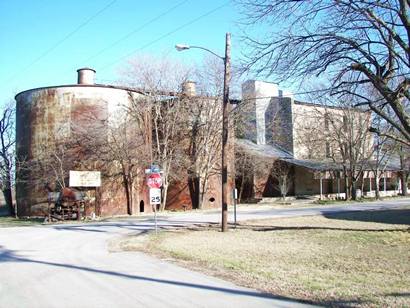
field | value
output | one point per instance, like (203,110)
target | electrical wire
(136,30)
(165,35)
(52,48)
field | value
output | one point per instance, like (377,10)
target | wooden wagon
(67,204)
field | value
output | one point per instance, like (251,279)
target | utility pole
(225,130)
(225,122)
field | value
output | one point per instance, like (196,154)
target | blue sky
(44,42)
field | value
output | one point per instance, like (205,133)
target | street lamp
(227,78)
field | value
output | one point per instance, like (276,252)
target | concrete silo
(47,116)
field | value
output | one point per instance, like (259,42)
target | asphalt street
(71,265)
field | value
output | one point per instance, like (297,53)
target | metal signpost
(235,197)
(154,199)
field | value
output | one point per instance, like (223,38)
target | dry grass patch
(354,259)
(7,221)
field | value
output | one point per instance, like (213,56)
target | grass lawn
(350,259)
(7,221)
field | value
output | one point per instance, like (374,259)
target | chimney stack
(188,88)
(86,76)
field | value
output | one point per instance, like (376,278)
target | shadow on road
(393,216)
(102,227)
(11,256)
(4,211)
(270,228)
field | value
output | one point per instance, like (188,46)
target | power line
(48,51)
(136,30)
(165,35)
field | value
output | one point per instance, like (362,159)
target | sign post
(154,183)
(154,199)
(235,196)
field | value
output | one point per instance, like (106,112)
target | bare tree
(52,164)
(337,133)
(405,168)
(281,173)
(349,133)
(169,131)
(7,154)
(384,150)
(186,128)
(117,144)
(244,164)
(276,171)
(205,130)
(354,44)
(161,80)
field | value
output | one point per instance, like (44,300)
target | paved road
(70,266)
(254,212)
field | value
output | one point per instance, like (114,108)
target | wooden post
(225,123)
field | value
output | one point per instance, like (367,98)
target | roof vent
(86,76)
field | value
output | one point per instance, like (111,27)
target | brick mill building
(280,129)
(47,121)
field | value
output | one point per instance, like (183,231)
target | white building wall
(261,94)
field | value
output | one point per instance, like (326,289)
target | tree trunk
(128,192)
(164,196)
(9,200)
(283,186)
(354,189)
(7,193)
(165,185)
(404,179)
(241,187)
(200,201)
(202,193)
(377,184)
(346,180)
(131,193)
(362,185)
(193,184)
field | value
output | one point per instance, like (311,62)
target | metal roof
(276,152)
(267,150)
(315,165)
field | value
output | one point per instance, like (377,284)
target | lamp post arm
(206,49)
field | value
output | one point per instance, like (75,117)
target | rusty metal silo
(46,116)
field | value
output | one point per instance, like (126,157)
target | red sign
(154,180)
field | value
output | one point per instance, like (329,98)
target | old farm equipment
(67,204)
